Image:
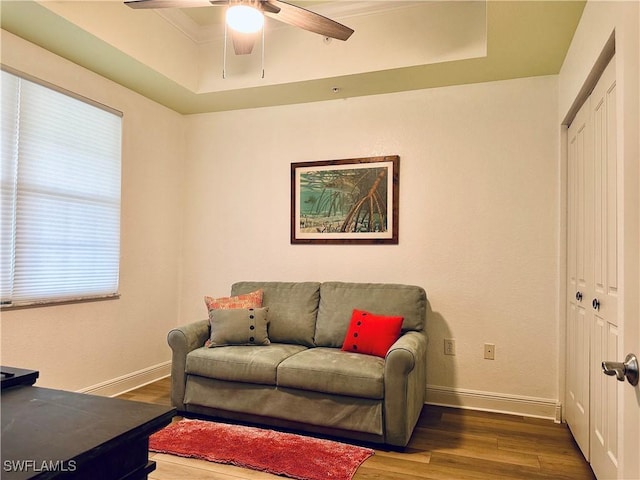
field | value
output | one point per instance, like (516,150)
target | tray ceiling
(176,56)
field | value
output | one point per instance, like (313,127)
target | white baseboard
(131,381)
(494,402)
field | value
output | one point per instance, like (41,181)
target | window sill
(53,303)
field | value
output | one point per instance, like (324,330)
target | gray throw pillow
(239,326)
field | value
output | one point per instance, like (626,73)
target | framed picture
(351,201)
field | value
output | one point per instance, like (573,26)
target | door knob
(595,304)
(579,296)
(628,369)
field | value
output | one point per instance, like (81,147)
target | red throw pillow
(371,334)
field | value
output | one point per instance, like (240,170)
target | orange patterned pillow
(247,300)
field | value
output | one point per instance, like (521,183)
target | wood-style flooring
(448,443)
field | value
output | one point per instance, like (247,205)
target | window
(60,230)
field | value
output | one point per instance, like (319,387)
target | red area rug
(287,454)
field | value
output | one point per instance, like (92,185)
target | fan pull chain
(224,55)
(263,29)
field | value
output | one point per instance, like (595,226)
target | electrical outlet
(489,351)
(449,346)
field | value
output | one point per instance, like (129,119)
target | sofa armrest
(404,386)
(182,340)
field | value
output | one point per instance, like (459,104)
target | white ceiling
(176,56)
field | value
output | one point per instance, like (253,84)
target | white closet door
(605,342)
(593,329)
(579,268)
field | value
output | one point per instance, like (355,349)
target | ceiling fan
(244,38)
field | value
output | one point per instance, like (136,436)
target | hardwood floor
(448,443)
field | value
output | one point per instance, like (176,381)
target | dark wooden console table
(11,377)
(65,435)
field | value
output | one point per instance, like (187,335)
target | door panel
(605,235)
(578,273)
(604,402)
(606,344)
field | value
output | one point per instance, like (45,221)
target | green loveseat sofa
(302,379)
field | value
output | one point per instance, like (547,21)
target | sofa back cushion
(338,300)
(293,307)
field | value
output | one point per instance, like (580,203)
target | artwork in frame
(351,201)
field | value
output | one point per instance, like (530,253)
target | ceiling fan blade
(269,7)
(242,42)
(167,3)
(308,20)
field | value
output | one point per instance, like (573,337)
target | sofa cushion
(330,370)
(240,363)
(238,326)
(371,334)
(292,309)
(338,300)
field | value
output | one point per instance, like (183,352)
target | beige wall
(478,225)
(479,218)
(85,345)
(479,215)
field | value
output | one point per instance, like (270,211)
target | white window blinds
(60,196)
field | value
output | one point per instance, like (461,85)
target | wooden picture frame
(351,201)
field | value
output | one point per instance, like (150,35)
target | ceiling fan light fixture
(244,19)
